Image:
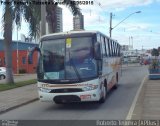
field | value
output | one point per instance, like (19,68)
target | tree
(7,20)
(13,13)
(51,14)
(159,49)
(155,52)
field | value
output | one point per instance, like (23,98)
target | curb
(19,105)
(18,74)
(129,115)
(131,65)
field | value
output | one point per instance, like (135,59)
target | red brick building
(20,48)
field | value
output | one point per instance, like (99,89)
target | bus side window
(103,46)
(99,40)
(113,47)
(106,46)
(109,47)
(117,49)
(114,43)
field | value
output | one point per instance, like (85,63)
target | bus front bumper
(92,95)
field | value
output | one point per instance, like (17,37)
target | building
(23,65)
(59,27)
(127,53)
(54,24)
(78,22)
(124,47)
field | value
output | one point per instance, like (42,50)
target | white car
(2,73)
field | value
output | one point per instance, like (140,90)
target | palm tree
(51,14)
(7,23)
(13,13)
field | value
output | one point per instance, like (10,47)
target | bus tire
(103,99)
(116,84)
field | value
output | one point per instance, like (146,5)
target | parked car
(2,73)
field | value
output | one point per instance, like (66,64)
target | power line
(100,5)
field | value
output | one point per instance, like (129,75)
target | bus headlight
(88,88)
(44,90)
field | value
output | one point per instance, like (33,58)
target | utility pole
(17,54)
(110,28)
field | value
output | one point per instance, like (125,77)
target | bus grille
(66,90)
(66,98)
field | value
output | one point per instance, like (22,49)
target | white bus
(77,66)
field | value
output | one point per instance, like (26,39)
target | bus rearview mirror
(31,52)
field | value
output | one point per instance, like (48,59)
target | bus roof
(71,34)
(68,33)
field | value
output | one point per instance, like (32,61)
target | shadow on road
(75,106)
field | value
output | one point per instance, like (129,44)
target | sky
(142,30)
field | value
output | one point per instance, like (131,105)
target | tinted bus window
(109,47)
(118,50)
(106,46)
(98,38)
(103,46)
(113,47)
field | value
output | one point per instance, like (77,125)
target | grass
(4,87)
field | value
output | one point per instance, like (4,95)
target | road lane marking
(130,113)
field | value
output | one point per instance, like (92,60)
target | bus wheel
(103,99)
(116,84)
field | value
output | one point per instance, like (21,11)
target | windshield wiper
(76,71)
(74,67)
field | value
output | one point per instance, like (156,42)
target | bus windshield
(67,59)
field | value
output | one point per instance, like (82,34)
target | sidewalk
(130,65)
(21,77)
(148,102)
(13,98)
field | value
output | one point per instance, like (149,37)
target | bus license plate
(85,96)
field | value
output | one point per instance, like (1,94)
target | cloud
(114,4)
(67,19)
(99,12)
(135,26)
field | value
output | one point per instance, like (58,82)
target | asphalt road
(116,107)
